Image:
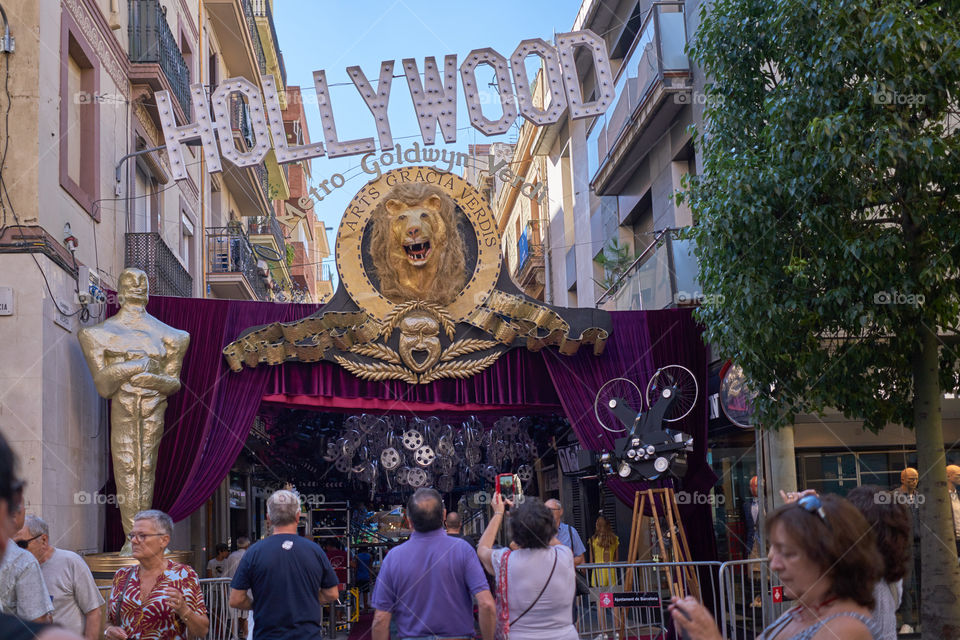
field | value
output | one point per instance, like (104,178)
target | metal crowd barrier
(610,612)
(224,620)
(747,604)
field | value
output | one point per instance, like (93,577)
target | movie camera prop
(650,448)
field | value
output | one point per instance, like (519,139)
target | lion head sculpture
(416,246)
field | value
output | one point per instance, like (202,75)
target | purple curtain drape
(209,419)
(516,379)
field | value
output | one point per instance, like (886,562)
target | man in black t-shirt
(290,577)
(11,495)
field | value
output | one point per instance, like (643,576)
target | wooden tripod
(663,502)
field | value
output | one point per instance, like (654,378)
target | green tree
(829,224)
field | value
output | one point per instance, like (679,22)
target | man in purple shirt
(427,582)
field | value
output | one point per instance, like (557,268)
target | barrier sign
(630,599)
(778,594)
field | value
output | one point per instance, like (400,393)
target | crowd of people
(842,562)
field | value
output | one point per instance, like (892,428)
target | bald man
(566,534)
(953,482)
(906,494)
(454,525)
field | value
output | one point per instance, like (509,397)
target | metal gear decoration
(417,477)
(412,439)
(445,446)
(424,456)
(390,459)
(386,451)
(525,473)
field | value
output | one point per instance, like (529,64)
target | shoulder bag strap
(556,554)
(123,588)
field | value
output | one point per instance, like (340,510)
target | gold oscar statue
(135,360)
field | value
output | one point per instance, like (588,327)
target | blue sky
(333,35)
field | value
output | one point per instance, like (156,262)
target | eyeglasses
(138,537)
(23,544)
(813,504)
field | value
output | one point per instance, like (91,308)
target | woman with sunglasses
(824,553)
(159,599)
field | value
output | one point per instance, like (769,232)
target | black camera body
(650,449)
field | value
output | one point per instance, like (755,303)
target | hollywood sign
(434,98)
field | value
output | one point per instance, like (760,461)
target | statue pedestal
(104,565)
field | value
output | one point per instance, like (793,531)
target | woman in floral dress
(159,599)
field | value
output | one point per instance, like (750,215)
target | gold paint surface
(135,361)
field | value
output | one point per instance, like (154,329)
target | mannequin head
(753,486)
(909,478)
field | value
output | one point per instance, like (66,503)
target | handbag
(502,631)
(583,587)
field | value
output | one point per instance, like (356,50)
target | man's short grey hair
(243,542)
(162,520)
(283,508)
(36,526)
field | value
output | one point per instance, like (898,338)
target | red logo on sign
(606,600)
(778,594)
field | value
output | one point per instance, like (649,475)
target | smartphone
(508,485)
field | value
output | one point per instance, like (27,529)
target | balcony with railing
(156,59)
(663,276)
(149,253)
(529,273)
(240,122)
(271,228)
(654,83)
(271,44)
(249,185)
(251,19)
(235,28)
(232,271)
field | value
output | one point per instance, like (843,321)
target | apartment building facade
(88,191)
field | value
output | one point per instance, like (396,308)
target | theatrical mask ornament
(419,333)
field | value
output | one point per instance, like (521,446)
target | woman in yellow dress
(603,550)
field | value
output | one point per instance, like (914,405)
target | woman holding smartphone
(534,576)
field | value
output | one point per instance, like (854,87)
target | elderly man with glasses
(23,592)
(11,498)
(76,599)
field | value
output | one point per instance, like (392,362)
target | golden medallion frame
(349,258)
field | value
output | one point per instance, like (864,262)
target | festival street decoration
(422,295)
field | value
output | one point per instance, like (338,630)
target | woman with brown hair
(891,523)
(603,550)
(824,553)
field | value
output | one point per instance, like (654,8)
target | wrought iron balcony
(261,9)
(530,266)
(240,121)
(270,226)
(251,17)
(151,41)
(229,252)
(663,276)
(149,253)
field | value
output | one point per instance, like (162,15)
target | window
(145,211)
(79,116)
(186,242)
